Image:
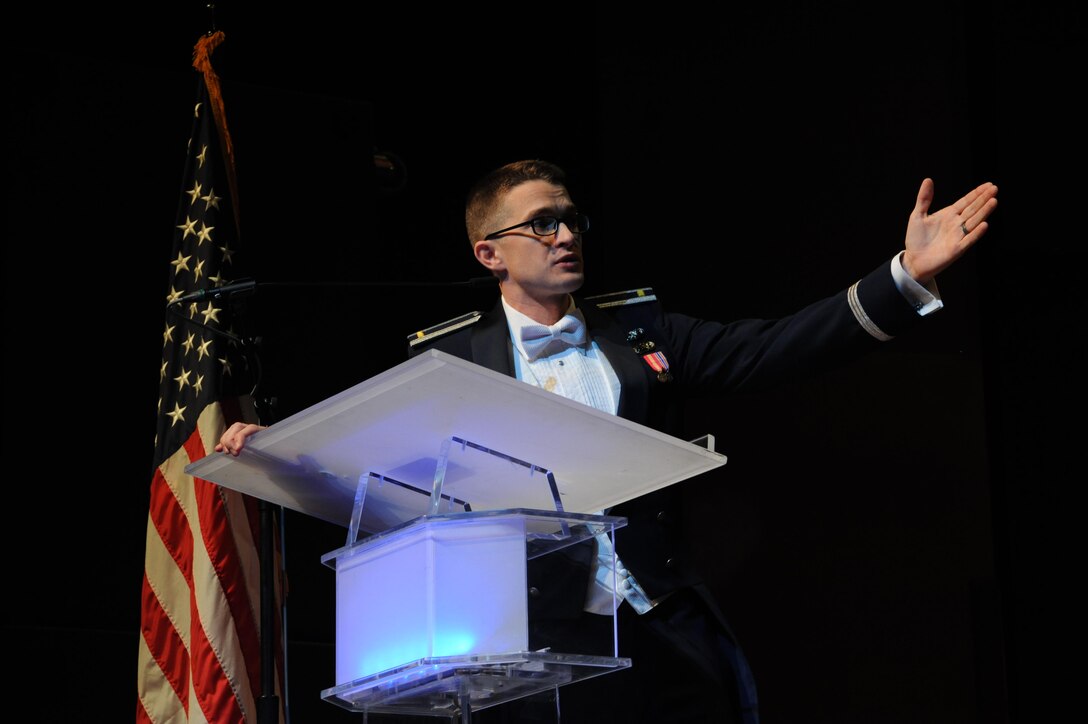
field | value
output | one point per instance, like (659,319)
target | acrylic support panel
(432,618)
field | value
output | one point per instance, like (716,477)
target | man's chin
(574,282)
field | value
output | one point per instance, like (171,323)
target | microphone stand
(268,706)
(268,709)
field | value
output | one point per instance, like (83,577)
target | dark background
(893,541)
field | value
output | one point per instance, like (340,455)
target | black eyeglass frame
(579,220)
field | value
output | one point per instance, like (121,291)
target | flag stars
(211,200)
(202,350)
(198,270)
(211,314)
(188,344)
(234,333)
(196,109)
(227,366)
(162,374)
(181,263)
(228,254)
(198,386)
(205,234)
(189,227)
(168,335)
(194,193)
(182,379)
(176,415)
(202,155)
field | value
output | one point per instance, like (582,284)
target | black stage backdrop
(891,540)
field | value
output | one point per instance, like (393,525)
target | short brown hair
(486,194)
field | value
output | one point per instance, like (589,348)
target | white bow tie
(536,339)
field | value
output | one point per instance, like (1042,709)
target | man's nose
(564,236)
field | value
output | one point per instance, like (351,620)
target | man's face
(540,268)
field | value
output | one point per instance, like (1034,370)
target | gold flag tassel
(202,61)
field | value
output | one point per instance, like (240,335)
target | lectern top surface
(392,429)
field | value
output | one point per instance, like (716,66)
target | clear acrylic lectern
(455,476)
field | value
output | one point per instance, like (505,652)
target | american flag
(200,649)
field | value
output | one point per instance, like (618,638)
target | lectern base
(453,686)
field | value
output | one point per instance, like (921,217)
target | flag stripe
(163,663)
(234,638)
(213,662)
(163,639)
(166,609)
(158,701)
(170,522)
(243,514)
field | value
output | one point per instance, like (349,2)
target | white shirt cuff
(925,299)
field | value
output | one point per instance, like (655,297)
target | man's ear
(487,253)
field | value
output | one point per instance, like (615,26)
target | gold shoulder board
(619,299)
(430,333)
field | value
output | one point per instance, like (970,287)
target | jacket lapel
(628,366)
(491,346)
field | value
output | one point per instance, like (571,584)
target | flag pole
(268,704)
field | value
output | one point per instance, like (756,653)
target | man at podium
(624,354)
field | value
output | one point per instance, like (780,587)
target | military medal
(646,349)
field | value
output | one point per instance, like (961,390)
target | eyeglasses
(548,225)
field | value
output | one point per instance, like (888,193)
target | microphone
(245,286)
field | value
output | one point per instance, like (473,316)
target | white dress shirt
(582,374)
